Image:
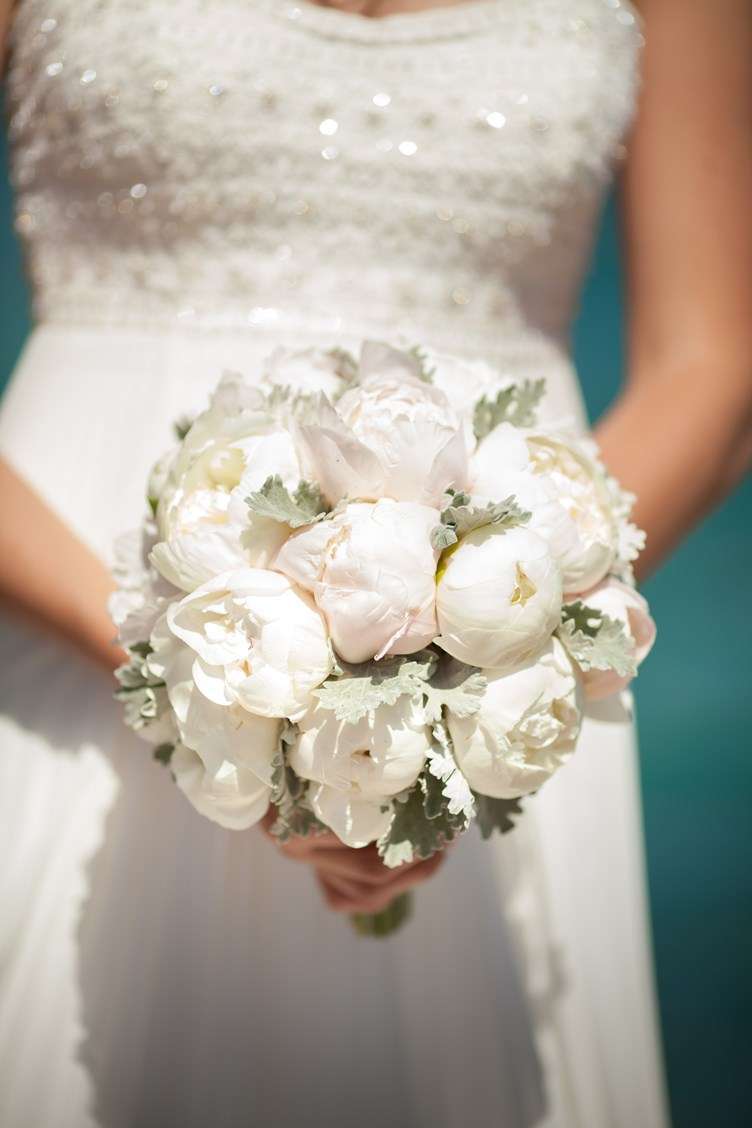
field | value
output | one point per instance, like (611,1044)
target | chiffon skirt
(157,970)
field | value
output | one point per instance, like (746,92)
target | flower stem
(387,921)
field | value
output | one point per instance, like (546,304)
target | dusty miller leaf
(461,518)
(295,818)
(163,753)
(442,536)
(460,692)
(425,373)
(346,366)
(288,734)
(142,695)
(584,619)
(595,641)
(135,679)
(443,766)
(515,404)
(303,507)
(182,426)
(496,814)
(357,693)
(422,824)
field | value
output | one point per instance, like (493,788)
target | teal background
(693,701)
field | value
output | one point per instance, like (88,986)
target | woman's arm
(680,435)
(6,7)
(49,575)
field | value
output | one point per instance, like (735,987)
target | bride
(197,182)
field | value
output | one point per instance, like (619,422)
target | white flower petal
(357,822)
(231,795)
(499,599)
(334,457)
(378,756)
(372,570)
(526,728)
(415,435)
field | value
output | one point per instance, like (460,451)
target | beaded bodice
(250,160)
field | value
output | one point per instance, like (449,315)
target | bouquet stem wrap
(387,921)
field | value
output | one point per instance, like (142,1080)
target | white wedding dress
(197,181)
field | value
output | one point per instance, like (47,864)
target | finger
(354,897)
(347,900)
(361,866)
(349,897)
(367,868)
(340,895)
(400,882)
(416,875)
(350,867)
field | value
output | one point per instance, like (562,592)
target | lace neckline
(465,17)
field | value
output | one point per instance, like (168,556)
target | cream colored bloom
(463,380)
(223,760)
(564,488)
(229,795)
(498,598)
(305,371)
(391,436)
(527,726)
(371,569)
(258,641)
(204,524)
(357,768)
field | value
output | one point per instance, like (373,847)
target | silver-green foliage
(138,688)
(516,404)
(496,814)
(425,371)
(295,818)
(461,517)
(304,506)
(595,641)
(361,689)
(443,767)
(422,824)
(357,690)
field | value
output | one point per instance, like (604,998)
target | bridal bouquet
(373,596)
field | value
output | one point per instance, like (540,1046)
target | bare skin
(353,880)
(680,434)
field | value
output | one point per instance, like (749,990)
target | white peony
(564,488)
(357,768)
(526,728)
(372,571)
(464,380)
(205,525)
(379,359)
(621,602)
(229,794)
(224,755)
(498,598)
(257,641)
(392,436)
(306,371)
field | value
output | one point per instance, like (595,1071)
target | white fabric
(180,218)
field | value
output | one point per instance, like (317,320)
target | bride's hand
(353,881)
